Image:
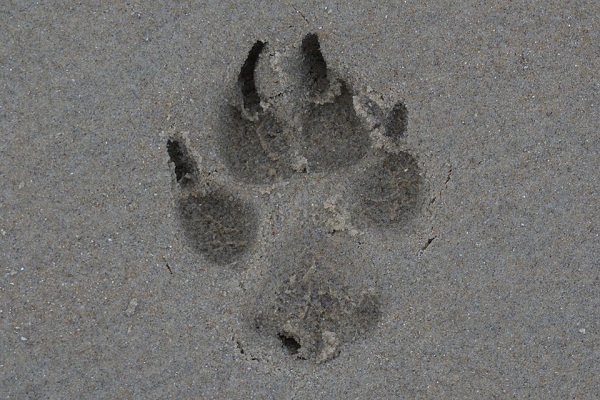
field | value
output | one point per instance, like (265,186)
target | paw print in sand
(298,130)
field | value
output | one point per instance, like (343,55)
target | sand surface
(299,200)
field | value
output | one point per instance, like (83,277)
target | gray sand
(300,201)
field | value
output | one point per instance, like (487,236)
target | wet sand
(299,201)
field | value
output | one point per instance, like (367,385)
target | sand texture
(299,200)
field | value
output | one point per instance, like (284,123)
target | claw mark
(397,121)
(246,79)
(315,63)
(185,165)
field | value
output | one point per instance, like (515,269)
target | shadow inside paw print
(295,121)
(388,192)
(262,147)
(217,225)
(308,303)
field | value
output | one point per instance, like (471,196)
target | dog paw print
(296,124)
